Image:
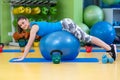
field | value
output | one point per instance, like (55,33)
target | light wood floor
(62,71)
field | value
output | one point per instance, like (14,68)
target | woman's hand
(19,59)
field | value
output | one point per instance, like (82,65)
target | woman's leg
(70,26)
(110,49)
(100,43)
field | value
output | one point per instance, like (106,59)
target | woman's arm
(33,32)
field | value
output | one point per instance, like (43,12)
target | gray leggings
(70,26)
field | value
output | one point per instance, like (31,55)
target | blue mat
(33,60)
(96,50)
(81,50)
(15,50)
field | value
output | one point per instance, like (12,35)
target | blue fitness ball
(104,31)
(65,42)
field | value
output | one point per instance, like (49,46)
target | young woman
(44,28)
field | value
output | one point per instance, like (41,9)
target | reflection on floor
(62,71)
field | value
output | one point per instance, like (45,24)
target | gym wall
(5,22)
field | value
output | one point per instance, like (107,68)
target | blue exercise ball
(62,41)
(104,31)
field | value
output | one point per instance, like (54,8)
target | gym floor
(62,71)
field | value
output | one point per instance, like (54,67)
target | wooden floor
(62,71)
